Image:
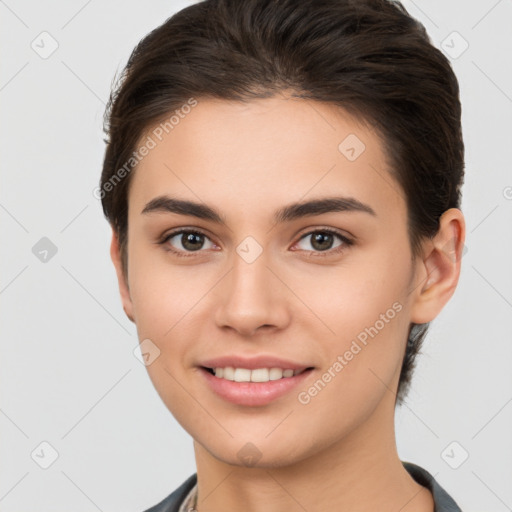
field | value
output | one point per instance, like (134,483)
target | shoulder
(173,501)
(442,500)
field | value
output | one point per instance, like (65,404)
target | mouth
(253,387)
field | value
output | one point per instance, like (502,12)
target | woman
(283,184)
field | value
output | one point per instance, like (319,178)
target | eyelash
(322,254)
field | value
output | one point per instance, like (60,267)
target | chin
(264,454)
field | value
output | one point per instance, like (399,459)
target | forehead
(247,156)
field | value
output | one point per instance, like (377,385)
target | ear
(123,285)
(439,268)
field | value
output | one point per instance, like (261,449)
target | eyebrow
(166,204)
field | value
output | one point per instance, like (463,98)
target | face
(247,275)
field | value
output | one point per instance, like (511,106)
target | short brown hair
(369,57)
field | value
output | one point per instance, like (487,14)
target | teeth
(228,373)
(260,375)
(242,375)
(275,374)
(257,375)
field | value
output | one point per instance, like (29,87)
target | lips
(250,393)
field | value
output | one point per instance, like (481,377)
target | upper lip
(252,363)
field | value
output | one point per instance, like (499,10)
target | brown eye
(192,241)
(322,240)
(187,241)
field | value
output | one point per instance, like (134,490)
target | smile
(256,387)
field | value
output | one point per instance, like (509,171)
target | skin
(247,160)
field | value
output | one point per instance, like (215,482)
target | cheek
(162,293)
(362,357)
(166,302)
(352,296)
(361,318)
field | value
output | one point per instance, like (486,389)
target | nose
(251,298)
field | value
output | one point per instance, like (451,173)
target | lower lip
(253,393)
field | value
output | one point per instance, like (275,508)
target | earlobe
(439,269)
(123,285)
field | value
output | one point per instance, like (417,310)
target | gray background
(69,376)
